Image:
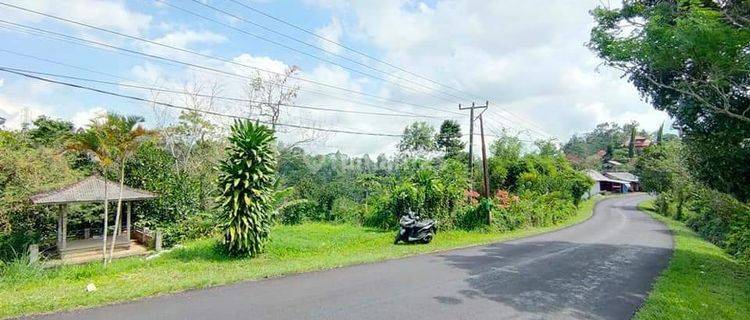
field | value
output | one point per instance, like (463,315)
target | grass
(701,282)
(293,249)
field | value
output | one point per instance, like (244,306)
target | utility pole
(471,136)
(484,159)
(484,162)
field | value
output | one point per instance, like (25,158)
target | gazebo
(90,190)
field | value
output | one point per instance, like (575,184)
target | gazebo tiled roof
(91,189)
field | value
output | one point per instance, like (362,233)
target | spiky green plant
(246,181)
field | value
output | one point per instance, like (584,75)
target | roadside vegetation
(236,204)
(701,282)
(690,60)
(291,249)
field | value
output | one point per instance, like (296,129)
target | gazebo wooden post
(127,227)
(59,225)
(63,226)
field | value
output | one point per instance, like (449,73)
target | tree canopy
(691,59)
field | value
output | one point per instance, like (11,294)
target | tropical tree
(449,139)
(368,182)
(418,139)
(689,58)
(94,142)
(246,179)
(124,134)
(660,134)
(631,143)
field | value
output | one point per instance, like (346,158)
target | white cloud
(528,59)
(113,14)
(17,114)
(83,118)
(186,38)
(259,62)
(332,32)
(2,82)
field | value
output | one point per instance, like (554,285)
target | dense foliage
(690,58)
(245,184)
(429,177)
(717,216)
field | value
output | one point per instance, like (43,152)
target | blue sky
(527,58)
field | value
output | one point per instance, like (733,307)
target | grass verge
(293,249)
(701,282)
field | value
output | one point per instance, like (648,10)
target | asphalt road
(600,269)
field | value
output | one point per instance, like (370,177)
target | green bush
(347,210)
(473,217)
(723,220)
(297,214)
(199,225)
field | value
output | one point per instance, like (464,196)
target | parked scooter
(415,230)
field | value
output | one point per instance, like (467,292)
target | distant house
(640,143)
(635,184)
(2,121)
(603,183)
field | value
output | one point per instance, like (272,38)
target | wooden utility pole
(484,163)
(484,160)
(471,136)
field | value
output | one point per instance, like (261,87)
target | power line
(169,105)
(345,46)
(521,119)
(240,18)
(316,92)
(79,23)
(193,65)
(235,99)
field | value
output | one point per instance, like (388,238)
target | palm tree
(125,134)
(94,142)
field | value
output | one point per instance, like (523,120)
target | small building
(611,165)
(635,184)
(603,183)
(86,245)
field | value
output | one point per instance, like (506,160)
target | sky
(419,59)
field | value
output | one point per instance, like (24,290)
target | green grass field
(701,282)
(293,249)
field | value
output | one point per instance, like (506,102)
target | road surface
(600,269)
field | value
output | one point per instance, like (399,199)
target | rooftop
(91,189)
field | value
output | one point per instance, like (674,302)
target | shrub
(661,204)
(347,210)
(202,224)
(512,217)
(723,220)
(475,216)
(246,182)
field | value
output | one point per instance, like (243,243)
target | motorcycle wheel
(428,238)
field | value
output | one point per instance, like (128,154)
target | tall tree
(418,139)
(47,131)
(660,134)
(94,142)
(689,58)
(449,139)
(631,143)
(124,134)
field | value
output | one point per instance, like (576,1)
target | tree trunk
(106,223)
(119,210)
